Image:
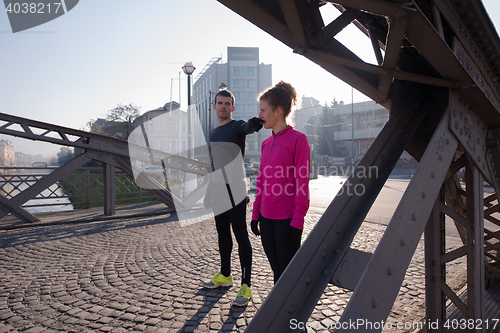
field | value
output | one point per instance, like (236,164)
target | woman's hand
(293,234)
(255,227)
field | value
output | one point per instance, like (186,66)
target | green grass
(126,190)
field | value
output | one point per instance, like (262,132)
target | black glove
(256,123)
(293,234)
(255,227)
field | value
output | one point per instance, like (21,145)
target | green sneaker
(219,280)
(244,295)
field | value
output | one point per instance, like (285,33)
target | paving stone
(128,316)
(168,316)
(152,321)
(105,320)
(6,315)
(132,309)
(6,328)
(14,319)
(140,319)
(36,330)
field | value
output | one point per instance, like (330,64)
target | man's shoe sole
(217,286)
(237,304)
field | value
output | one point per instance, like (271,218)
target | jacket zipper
(272,146)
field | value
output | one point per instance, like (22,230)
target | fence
(84,188)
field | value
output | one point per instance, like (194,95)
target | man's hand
(256,123)
(254,224)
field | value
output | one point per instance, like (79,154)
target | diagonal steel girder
(378,288)
(101,148)
(7,206)
(99,144)
(299,25)
(296,293)
(45,182)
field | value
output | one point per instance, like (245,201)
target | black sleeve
(242,127)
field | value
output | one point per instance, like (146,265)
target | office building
(245,77)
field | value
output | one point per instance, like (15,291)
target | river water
(54,204)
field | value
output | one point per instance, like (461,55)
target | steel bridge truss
(436,70)
(110,151)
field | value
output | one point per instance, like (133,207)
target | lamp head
(188,68)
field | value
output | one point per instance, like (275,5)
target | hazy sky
(102,53)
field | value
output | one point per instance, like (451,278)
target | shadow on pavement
(61,231)
(234,313)
(210,298)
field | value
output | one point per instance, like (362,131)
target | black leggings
(235,217)
(278,249)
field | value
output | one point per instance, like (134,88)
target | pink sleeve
(303,166)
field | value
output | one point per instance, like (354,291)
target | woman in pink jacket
(282,197)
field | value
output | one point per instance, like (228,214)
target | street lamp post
(221,87)
(188,69)
(352,126)
(190,178)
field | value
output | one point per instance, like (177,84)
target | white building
(7,156)
(166,130)
(23,159)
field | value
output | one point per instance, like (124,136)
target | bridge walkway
(81,271)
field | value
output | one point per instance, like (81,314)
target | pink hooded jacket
(283,180)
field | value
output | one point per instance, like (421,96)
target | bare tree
(120,120)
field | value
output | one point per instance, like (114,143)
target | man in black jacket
(227,193)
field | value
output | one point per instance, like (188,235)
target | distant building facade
(166,130)
(306,119)
(23,159)
(245,77)
(369,118)
(7,153)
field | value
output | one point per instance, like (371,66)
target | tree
(53,160)
(120,121)
(94,127)
(64,156)
(328,123)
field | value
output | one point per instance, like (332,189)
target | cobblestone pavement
(143,275)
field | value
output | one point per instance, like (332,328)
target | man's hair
(224,93)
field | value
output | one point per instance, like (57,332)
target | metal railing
(83,188)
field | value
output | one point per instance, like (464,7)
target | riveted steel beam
(7,206)
(374,296)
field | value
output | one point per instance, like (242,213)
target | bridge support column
(435,273)
(475,244)
(109,189)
